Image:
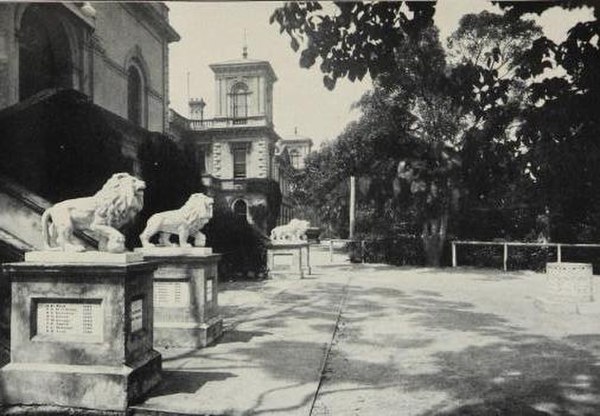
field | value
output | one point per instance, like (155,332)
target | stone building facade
(115,53)
(239,153)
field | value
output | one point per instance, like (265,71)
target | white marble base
(84,257)
(288,242)
(174,251)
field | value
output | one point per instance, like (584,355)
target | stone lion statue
(295,230)
(185,221)
(117,203)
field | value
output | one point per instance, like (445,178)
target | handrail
(37,204)
(507,244)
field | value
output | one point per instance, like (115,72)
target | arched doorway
(44,52)
(240,209)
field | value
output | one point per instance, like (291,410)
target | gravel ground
(458,342)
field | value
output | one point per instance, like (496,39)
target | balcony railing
(219,123)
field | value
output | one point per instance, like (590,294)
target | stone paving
(397,341)
(269,360)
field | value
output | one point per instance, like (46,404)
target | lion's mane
(118,201)
(195,211)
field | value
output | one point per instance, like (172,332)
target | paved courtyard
(382,340)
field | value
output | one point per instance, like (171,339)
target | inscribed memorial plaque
(283,261)
(171,294)
(137,315)
(67,320)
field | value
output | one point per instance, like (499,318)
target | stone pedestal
(186,307)
(569,287)
(81,332)
(289,260)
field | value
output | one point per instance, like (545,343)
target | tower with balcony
(237,148)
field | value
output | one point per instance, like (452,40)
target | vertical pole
(505,257)
(188,93)
(558,253)
(453,254)
(331,250)
(300,262)
(352,203)
(362,250)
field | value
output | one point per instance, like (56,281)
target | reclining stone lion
(185,221)
(295,230)
(117,203)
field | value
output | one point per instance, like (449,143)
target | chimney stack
(197,109)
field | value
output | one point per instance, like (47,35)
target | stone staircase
(20,225)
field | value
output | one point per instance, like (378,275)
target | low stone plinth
(289,260)
(186,307)
(570,282)
(569,288)
(81,334)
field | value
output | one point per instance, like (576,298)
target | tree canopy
(481,119)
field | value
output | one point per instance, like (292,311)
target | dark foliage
(171,177)
(400,251)
(265,217)
(60,145)
(243,246)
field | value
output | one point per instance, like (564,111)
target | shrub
(243,247)
(400,251)
(60,145)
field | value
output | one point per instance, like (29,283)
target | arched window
(240,209)
(44,52)
(135,95)
(239,102)
(295,158)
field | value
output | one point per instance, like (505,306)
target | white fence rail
(508,244)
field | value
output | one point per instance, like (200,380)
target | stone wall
(256,160)
(99,57)
(121,35)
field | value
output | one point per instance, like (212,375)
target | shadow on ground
(500,369)
(518,373)
(174,382)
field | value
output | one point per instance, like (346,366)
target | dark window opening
(134,96)
(239,103)
(239,162)
(240,209)
(44,54)
(201,160)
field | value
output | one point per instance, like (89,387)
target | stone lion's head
(299,228)
(120,199)
(299,225)
(198,209)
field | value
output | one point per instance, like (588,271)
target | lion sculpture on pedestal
(185,221)
(293,231)
(116,204)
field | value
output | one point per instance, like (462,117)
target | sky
(214,32)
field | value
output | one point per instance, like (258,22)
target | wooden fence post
(505,257)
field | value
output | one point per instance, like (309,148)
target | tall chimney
(197,109)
